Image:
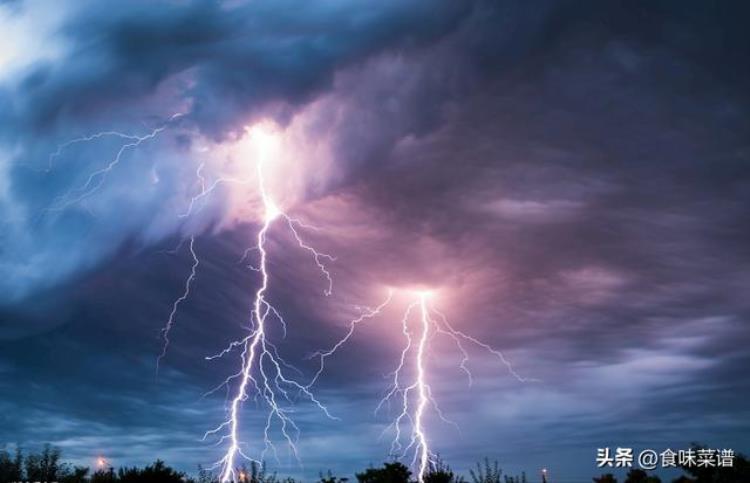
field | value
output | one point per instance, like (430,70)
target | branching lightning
(414,395)
(263,372)
(263,369)
(175,305)
(366,313)
(207,189)
(96,179)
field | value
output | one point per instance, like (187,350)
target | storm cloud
(571,177)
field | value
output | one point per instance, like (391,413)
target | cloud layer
(572,178)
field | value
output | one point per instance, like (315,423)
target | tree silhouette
(329,478)
(487,474)
(390,473)
(608,478)
(78,474)
(206,476)
(11,468)
(516,479)
(44,466)
(258,473)
(31,467)
(47,466)
(640,476)
(440,472)
(738,472)
(103,476)
(155,473)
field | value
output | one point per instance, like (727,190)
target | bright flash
(410,389)
(265,139)
(271,211)
(263,371)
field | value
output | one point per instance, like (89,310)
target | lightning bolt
(175,305)
(205,190)
(365,314)
(414,395)
(423,457)
(263,370)
(418,440)
(96,179)
(420,437)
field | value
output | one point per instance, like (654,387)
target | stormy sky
(571,178)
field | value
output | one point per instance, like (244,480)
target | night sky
(571,179)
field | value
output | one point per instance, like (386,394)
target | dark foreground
(48,466)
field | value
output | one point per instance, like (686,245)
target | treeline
(47,466)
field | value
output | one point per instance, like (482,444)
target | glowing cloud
(262,369)
(414,395)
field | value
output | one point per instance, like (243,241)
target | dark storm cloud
(604,172)
(577,172)
(217,65)
(233,58)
